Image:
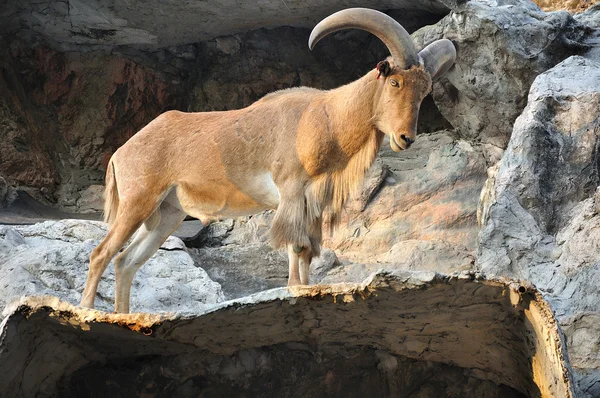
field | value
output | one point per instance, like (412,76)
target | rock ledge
(393,334)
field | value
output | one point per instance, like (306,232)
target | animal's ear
(438,57)
(384,68)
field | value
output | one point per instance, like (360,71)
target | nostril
(406,139)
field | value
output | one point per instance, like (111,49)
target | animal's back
(221,163)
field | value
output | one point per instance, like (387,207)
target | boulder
(502,45)
(427,201)
(52,258)
(542,222)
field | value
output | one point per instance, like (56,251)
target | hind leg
(146,242)
(116,238)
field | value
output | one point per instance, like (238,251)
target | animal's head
(404,78)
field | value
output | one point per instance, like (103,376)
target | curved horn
(390,32)
(438,57)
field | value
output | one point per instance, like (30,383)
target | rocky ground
(502,181)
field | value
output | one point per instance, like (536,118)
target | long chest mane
(330,191)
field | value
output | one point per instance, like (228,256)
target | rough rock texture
(590,17)
(62,115)
(542,222)
(52,258)
(427,200)
(155,24)
(237,254)
(404,334)
(501,47)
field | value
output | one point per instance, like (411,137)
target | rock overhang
(154,24)
(496,331)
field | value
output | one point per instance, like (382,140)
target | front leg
(294,269)
(299,262)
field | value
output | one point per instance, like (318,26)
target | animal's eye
(394,83)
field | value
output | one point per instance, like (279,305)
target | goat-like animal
(300,151)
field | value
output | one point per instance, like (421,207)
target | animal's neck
(352,118)
(352,125)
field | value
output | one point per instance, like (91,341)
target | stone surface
(501,47)
(428,201)
(396,334)
(591,17)
(156,24)
(64,113)
(52,258)
(22,209)
(248,268)
(543,223)
(91,199)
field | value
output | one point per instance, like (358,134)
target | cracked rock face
(501,47)
(543,223)
(424,208)
(399,334)
(52,258)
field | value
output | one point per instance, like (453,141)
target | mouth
(396,147)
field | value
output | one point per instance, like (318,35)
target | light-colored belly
(224,199)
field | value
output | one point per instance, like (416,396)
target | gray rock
(52,258)
(189,230)
(91,199)
(426,203)
(414,255)
(247,268)
(542,222)
(501,47)
(243,269)
(153,24)
(590,17)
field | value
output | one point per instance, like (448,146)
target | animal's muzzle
(407,140)
(399,143)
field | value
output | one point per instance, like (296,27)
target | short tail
(111,195)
